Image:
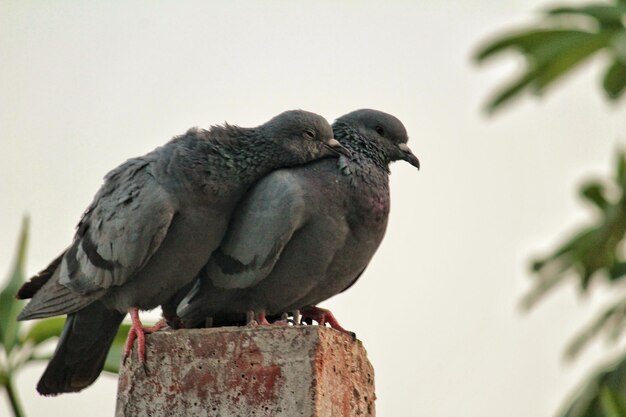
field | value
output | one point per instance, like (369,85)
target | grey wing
(117,235)
(261,226)
(120,231)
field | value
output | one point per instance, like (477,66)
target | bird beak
(408,156)
(334,146)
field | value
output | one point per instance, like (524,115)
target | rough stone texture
(301,371)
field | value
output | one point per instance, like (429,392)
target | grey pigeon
(151,228)
(304,234)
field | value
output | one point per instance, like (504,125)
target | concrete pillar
(263,371)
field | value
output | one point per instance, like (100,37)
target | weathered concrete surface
(302,371)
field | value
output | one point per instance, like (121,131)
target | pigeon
(303,234)
(151,228)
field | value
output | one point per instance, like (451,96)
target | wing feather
(271,212)
(118,233)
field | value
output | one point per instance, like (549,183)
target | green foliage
(43,330)
(612,403)
(594,250)
(20,344)
(603,395)
(615,79)
(112,362)
(9,306)
(566,38)
(611,322)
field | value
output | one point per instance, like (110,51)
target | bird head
(380,135)
(304,136)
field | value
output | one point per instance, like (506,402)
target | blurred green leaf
(606,14)
(617,270)
(614,81)
(612,321)
(593,250)
(9,305)
(618,44)
(112,362)
(537,43)
(550,56)
(43,330)
(588,401)
(555,46)
(620,172)
(566,57)
(595,193)
(612,404)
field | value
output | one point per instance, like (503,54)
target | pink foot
(259,318)
(138,331)
(284,320)
(262,319)
(323,316)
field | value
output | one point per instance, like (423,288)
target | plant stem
(15,402)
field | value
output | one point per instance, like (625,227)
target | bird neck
(367,163)
(364,152)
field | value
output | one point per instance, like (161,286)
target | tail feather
(54,299)
(82,349)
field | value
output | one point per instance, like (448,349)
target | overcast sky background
(86,85)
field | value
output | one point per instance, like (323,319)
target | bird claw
(138,331)
(323,316)
(262,319)
(250,321)
(296,317)
(284,320)
(258,319)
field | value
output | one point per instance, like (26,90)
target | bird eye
(309,134)
(380,130)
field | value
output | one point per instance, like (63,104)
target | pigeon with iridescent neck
(304,234)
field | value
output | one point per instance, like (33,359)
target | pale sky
(86,85)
